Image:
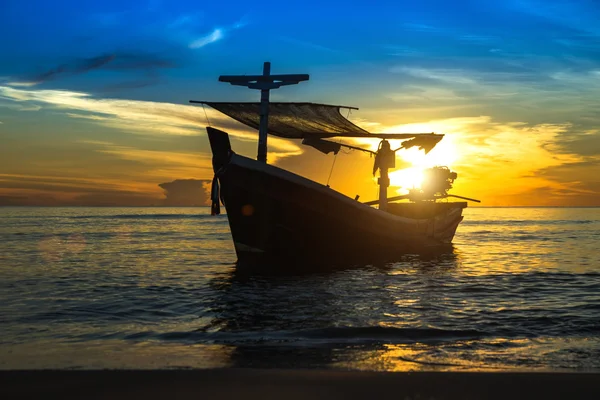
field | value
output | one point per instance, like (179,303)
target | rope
(332,165)
(206,115)
(215,193)
(336,154)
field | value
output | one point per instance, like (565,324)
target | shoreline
(295,384)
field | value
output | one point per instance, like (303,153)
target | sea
(157,288)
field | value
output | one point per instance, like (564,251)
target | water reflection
(81,287)
(330,318)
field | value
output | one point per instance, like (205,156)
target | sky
(94,95)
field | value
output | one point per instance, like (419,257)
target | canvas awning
(302,120)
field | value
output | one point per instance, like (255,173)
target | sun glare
(444,154)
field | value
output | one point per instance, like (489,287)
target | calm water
(157,288)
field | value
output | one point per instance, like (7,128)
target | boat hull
(278,218)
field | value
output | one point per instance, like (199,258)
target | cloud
(535,94)
(131,183)
(23,83)
(579,16)
(153,156)
(65,70)
(87,116)
(441,75)
(113,62)
(142,117)
(217,34)
(66,183)
(184,20)
(212,37)
(152,165)
(186,192)
(37,190)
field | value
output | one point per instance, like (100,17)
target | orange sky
(77,149)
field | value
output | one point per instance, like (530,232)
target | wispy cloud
(212,37)
(72,184)
(141,117)
(442,75)
(581,16)
(87,116)
(151,156)
(217,34)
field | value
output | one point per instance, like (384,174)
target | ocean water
(157,288)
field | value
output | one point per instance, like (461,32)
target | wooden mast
(384,160)
(264,83)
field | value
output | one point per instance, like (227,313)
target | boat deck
(423,209)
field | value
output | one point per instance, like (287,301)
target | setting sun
(444,154)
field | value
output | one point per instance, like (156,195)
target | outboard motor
(437,181)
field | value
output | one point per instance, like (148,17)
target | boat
(280,219)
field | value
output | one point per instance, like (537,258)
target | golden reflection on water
(461,356)
(53,249)
(142,280)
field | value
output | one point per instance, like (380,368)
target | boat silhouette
(281,219)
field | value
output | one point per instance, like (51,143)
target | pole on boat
(385,159)
(264,83)
(263,127)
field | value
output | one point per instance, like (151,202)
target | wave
(529,222)
(331,335)
(386,333)
(150,216)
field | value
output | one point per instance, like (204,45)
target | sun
(444,154)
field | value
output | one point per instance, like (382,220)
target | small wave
(530,237)
(386,333)
(329,335)
(528,222)
(148,216)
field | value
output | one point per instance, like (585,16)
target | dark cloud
(573,171)
(549,196)
(138,61)
(180,192)
(75,68)
(13,200)
(582,180)
(581,143)
(147,63)
(187,192)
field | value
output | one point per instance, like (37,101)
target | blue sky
(510,66)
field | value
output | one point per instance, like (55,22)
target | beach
(295,384)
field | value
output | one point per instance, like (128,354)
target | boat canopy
(306,121)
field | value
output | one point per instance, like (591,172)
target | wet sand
(294,384)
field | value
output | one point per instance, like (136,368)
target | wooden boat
(278,218)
